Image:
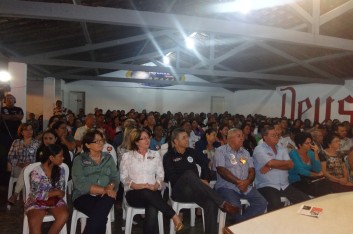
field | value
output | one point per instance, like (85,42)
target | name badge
(233,160)
(150,155)
(86,162)
(242,160)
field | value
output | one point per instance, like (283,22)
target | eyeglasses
(98,142)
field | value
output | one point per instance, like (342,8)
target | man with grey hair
(235,175)
(272,162)
(90,122)
(187,185)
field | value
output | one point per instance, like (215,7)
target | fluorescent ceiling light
(190,43)
(166,60)
(245,6)
(5,76)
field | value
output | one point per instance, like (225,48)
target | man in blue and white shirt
(235,175)
(272,163)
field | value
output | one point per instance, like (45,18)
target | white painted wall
(115,95)
(264,102)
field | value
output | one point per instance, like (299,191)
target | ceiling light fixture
(190,43)
(166,60)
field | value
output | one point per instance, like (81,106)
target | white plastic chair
(49,217)
(78,215)
(70,183)
(12,181)
(223,215)
(69,187)
(129,212)
(285,201)
(177,206)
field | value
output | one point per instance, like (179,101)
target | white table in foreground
(337,218)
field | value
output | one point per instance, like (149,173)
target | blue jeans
(257,202)
(97,209)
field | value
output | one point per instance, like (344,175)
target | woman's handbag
(52,201)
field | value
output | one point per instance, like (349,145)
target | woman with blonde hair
(123,148)
(142,173)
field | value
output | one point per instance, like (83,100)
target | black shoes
(229,208)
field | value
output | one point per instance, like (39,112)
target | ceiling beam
(146,56)
(311,60)
(102,45)
(244,46)
(299,27)
(216,61)
(338,11)
(35,69)
(301,13)
(86,35)
(316,4)
(196,72)
(163,82)
(295,60)
(102,15)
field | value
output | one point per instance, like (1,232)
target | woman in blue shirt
(306,175)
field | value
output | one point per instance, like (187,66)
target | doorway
(217,104)
(76,101)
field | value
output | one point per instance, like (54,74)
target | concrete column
(48,99)
(61,94)
(18,84)
(58,89)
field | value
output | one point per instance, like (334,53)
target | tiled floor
(11,221)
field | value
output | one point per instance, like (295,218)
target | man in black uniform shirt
(181,170)
(10,119)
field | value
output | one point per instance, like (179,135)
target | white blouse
(141,170)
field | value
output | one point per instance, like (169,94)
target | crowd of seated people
(252,157)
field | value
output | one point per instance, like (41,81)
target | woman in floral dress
(47,192)
(333,165)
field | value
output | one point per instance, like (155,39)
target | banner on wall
(299,107)
(153,76)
